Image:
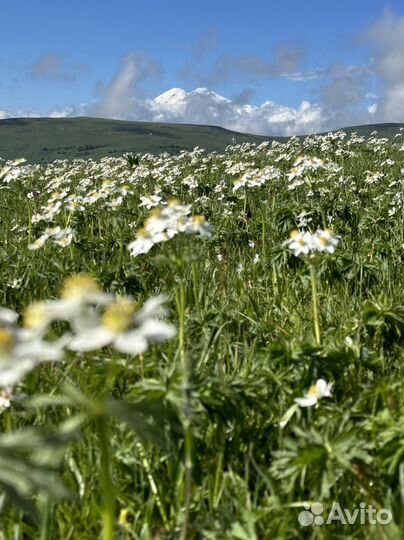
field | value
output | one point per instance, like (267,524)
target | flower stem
(188,443)
(106,485)
(314,295)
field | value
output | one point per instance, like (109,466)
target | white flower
(163,224)
(150,202)
(306,243)
(300,243)
(124,329)
(198,225)
(21,351)
(61,237)
(315,393)
(79,295)
(326,241)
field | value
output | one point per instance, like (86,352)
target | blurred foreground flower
(125,329)
(78,297)
(315,393)
(21,351)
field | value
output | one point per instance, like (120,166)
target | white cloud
(203,106)
(119,98)
(62,113)
(385,39)
(122,98)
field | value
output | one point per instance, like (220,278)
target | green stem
(106,485)
(188,442)
(29,223)
(45,515)
(314,295)
(181,301)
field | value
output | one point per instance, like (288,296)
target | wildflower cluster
(61,237)
(164,223)
(306,243)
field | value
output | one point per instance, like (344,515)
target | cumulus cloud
(202,106)
(52,67)
(123,95)
(385,39)
(345,87)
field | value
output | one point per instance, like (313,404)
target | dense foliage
(183,422)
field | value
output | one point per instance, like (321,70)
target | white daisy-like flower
(163,224)
(306,243)
(150,202)
(316,392)
(126,330)
(79,294)
(326,241)
(301,243)
(61,237)
(21,351)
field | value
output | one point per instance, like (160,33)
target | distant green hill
(46,139)
(383,130)
(41,140)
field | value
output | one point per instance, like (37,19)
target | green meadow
(209,343)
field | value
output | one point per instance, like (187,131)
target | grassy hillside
(43,140)
(383,130)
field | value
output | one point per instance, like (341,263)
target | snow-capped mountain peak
(171,96)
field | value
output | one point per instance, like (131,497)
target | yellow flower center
(118,317)
(78,287)
(173,203)
(155,213)
(6,341)
(143,233)
(199,220)
(313,391)
(34,315)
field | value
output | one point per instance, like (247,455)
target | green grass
(190,439)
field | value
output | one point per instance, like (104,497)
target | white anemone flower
(326,241)
(150,202)
(124,329)
(61,237)
(301,243)
(305,243)
(21,351)
(316,392)
(162,224)
(79,294)
(8,317)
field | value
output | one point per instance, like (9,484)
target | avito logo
(314,515)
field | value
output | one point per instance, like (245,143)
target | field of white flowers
(201,346)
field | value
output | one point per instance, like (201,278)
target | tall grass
(200,437)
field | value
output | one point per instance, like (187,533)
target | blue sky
(286,66)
